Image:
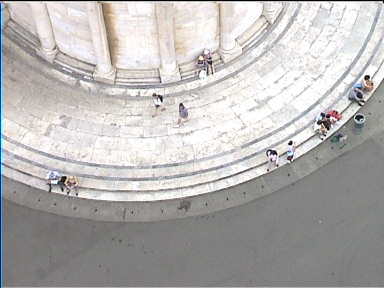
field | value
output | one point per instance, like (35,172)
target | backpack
(335,114)
(161,98)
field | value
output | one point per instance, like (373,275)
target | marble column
(48,48)
(229,47)
(271,10)
(169,69)
(105,71)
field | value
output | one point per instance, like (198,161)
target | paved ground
(327,229)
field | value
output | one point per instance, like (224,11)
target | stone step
(205,175)
(93,194)
(248,164)
(310,143)
(171,108)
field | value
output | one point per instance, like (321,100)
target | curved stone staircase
(304,65)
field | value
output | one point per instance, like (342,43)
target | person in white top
(158,102)
(55,178)
(290,151)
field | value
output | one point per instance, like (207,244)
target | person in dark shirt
(208,59)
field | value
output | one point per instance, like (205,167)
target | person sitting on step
(367,84)
(327,122)
(72,184)
(321,116)
(53,178)
(356,95)
(320,129)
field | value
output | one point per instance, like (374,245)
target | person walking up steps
(183,115)
(158,102)
(273,157)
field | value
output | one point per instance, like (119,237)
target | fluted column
(229,48)
(169,69)
(105,71)
(44,29)
(271,10)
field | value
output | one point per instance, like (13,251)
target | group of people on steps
(323,123)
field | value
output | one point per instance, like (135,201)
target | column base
(228,55)
(169,76)
(48,55)
(108,78)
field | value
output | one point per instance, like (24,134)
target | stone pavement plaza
(143,168)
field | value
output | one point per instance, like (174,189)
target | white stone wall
(132,29)
(247,13)
(132,33)
(21,13)
(196,28)
(71,29)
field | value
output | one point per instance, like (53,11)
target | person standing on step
(273,158)
(290,151)
(158,102)
(208,59)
